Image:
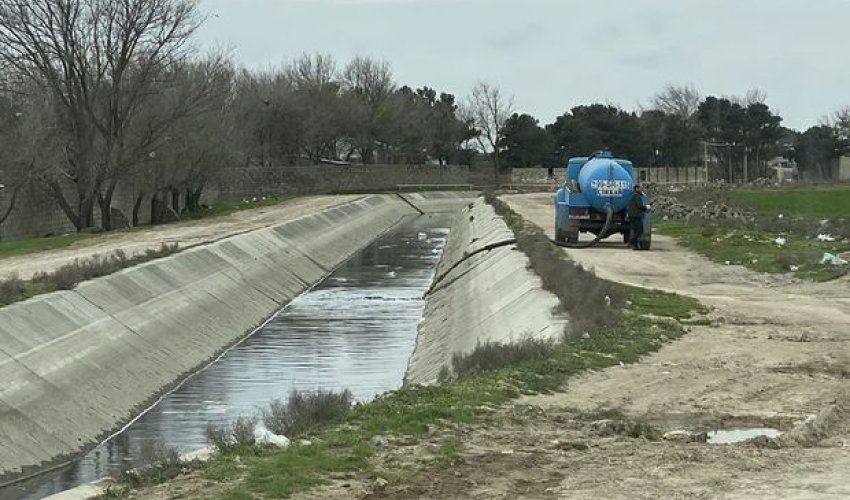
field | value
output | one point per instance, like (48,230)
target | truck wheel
(626,237)
(560,235)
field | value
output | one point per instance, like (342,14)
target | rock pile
(668,207)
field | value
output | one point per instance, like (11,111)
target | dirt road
(185,234)
(778,354)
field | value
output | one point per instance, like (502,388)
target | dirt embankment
(184,234)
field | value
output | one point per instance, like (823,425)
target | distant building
(782,169)
(840,168)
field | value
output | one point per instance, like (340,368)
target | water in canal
(356,330)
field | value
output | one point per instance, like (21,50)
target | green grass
(448,453)
(31,245)
(757,250)
(665,304)
(222,208)
(827,201)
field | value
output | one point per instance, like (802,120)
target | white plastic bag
(264,436)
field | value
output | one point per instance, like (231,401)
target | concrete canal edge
(481,296)
(77,364)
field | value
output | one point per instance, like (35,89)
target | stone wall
(840,168)
(236,183)
(35,214)
(672,175)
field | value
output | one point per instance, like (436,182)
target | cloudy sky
(555,54)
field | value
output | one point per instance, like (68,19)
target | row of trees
(679,127)
(310,111)
(102,95)
(96,95)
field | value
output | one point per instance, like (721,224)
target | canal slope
(480,296)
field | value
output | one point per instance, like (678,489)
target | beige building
(840,170)
(782,169)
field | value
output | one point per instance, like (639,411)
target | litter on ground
(835,260)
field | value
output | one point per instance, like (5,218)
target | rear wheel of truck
(645,242)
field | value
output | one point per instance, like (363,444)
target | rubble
(669,208)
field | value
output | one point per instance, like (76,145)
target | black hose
(609,218)
(454,266)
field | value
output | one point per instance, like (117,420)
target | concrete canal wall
(75,364)
(490,296)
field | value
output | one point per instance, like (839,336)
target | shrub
(69,275)
(155,464)
(304,410)
(493,356)
(238,434)
(11,290)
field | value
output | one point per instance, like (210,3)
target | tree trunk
(55,192)
(157,206)
(105,203)
(11,206)
(193,199)
(136,207)
(175,200)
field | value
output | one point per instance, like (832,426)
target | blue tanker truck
(594,198)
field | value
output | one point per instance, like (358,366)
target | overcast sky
(555,54)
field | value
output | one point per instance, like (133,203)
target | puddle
(731,436)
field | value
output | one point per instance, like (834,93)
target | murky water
(730,436)
(356,330)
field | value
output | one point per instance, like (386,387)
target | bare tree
(487,109)
(313,72)
(29,142)
(317,91)
(368,85)
(681,101)
(98,60)
(751,97)
(183,136)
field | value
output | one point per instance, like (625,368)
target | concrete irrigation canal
(89,360)
(355,330)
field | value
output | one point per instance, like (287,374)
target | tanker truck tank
(594,199)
